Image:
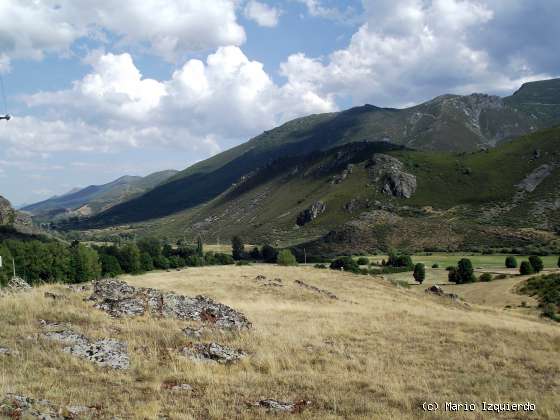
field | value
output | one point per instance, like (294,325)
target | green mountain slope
(500,197)
(96,198)
(446,123)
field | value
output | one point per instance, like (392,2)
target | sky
(100,89)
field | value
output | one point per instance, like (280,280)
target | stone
(17,284)
(435,289)
(213,352)
(4,351)
(80,287)
(533,180)
(281,406)
(22,407)
(388,173)
(176,387)
(316,289)
(312,213)
(119,299)
(194,332)
(106,353)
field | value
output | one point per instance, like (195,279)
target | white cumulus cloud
(262,13)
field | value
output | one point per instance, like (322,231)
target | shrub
(399,260)
(465,272)
(176,261)
(419,273)
(286,258)
(537,263)
(485,277)
(241,263)
(363,271)
(452,274)
(436,265)
(223,259)
(193,261)
(161,262)
(269,254)
(146,262)
(511,262)
(255,254)
(363,261)
(320,266)
(346,264)
(450,268)
(526,268)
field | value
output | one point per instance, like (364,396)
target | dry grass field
(378,352)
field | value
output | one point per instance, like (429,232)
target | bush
(452,274)
(363,261)
(485,277)
(269,254)
(194,261)
(399,260)
(526,268)
(465,272)
(419,273)
(242,263)
(286,258)
(320,266)
(146,261)
(450,268)
(511,262)
(346,264)
(223,259)
(363,271)
(436,265)
(255,254)
(537,263)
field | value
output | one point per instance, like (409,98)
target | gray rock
(310,214)
(106,353)
(435,289)
(281,406)
(388,173)
(119,299)
(22,407)
(213,352)
(316,289)
(4,351)
(532,181)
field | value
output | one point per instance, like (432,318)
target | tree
(286,258)
(452,275)
(255,254)
(199,247)
(346,264)
(558,262)
(485,277)
(363,261)
(511,262)
(151,246)
(161,262)
(399,260)
(130,259)
(537,263)
(269,254)
(110,266)
(237,248)
(146,262)
(85,264)
(526,268)
(465,272)
(419,273)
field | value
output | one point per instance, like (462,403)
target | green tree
(161,262)
(363,261)
(110,266)
(537,263)
(286,258)
(255,253)
(130,259)
(199,247)
(346,264)
(465,271)
(151,246)
(84,263)
(146,262)
(399,260)
(419,273)
(237,248)
(511,262)
(269,254)
(526,268)
(452,274)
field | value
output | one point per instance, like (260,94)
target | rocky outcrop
(119,299)
(337,179)
(281,406)
(213,352)
(105,353)
(7,213)
(438,291)
(532,181)
(387,172)
(310,214)
(21,407)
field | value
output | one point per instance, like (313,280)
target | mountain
(447,123)
(13,223)
(95,198)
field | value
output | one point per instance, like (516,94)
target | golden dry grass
(378,358)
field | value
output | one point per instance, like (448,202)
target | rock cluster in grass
(316,289)
(5,351)
(119,299)
(310,214)
(436,290)
(267,282)
(107,352)
(21,407)
(281,406)
(213,352)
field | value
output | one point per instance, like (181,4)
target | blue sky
(99,89)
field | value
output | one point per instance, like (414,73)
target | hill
(95,198)
(447,123)
(376,351)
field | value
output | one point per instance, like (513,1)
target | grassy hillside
(96,198)
(377,352)
(446,123)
